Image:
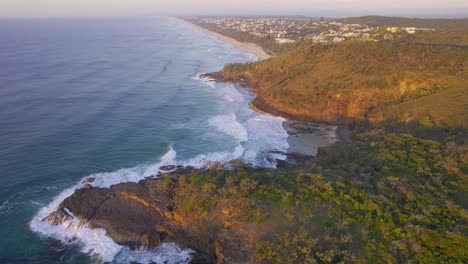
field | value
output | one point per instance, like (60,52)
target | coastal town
(288,30)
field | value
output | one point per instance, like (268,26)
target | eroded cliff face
(145,214)
(325,107)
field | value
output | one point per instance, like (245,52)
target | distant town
(299,29)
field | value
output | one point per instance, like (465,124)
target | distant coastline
(243,46)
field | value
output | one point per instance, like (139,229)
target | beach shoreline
(255,49)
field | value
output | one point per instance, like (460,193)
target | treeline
(378,21)
(388,196)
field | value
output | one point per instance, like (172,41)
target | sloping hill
(448,107)
(356,81)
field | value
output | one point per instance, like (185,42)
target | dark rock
(168,167)
(140,214)
(241,79)
(88,180)
(58,217)
(293,160)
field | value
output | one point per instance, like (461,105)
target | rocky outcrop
(145,214)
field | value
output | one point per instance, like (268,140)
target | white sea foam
(205,80)
(95,241)
(228,124)
(169,253)
(257,135)
(230,91)
(135,174)
(228,98)
(203,160)
(266,133)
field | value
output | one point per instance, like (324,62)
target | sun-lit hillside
(355,81)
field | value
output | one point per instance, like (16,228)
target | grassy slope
(350,81)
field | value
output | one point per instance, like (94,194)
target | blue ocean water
(80,97)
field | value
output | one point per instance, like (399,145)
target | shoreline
(136,197)
(255,49)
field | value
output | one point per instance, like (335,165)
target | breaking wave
(257,136)
(229,125)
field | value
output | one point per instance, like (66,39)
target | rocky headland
(358,82)
(153,211)
(337,207)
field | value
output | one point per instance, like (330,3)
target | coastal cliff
(172,208)
(386,195)
(394,193)
(353,82)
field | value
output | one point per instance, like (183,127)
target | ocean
(114,99)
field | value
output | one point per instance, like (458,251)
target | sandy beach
(243,46)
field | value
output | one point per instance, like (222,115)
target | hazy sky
(73,8)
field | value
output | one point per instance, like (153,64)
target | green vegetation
(387,197)
(361,80)
(437,38)
(378,21)
(396,193)
(447,107)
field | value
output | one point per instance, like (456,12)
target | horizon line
(233,15)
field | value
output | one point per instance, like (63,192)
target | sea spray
(95,241)
(71,230)
(235,119)
(258,134)
(229,125)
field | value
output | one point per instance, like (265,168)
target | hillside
(378,21)
(359,81)
(437,38)
(386,197)
(395,193)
